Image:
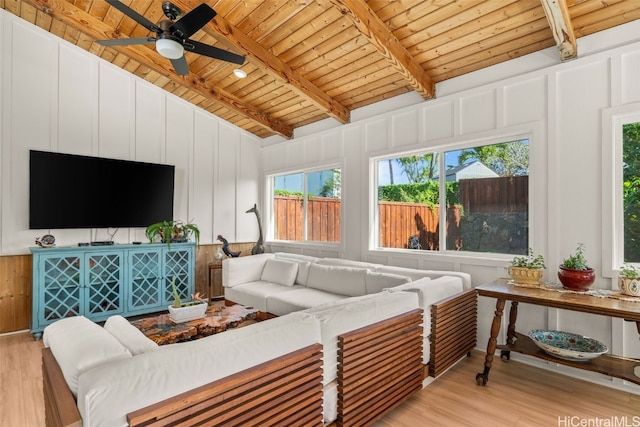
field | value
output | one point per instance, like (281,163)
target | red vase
(576,280)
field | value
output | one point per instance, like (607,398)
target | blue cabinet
(100,281)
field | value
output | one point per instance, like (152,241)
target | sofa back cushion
(80,345)
(128,335)
(376,282)
(280,271)
(348,263)
(303,261)
(236,271)
(337,280)
(415,273)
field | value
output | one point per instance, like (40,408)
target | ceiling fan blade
(213,52)
(126,42)
(135,16)
(180,65)
(186,26)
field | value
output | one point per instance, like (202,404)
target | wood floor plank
(516,395)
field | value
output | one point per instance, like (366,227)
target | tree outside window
(631,191)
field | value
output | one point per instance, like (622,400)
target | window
(621,180)
(631,191)
(484,189)
(306,206)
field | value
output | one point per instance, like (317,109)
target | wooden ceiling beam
(560,22)
(264,59)
(87,24)
(380,36)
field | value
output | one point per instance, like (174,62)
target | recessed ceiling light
(241,74)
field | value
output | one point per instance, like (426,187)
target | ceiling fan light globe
(170,49)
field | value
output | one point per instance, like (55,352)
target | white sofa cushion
(348,263)
(299,299)
(297,257)
(236,271)
(255,294)
(430,292)
(352,313)
(416,274)
(338,280)
(303,261)
(375,282)
(80,345)
(107,393)
(128,335)
(280,271)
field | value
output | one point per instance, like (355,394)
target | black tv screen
(71,191)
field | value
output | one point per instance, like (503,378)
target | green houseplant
(180,312)
(574,273)
(172,232)
(629,280)
(527,269)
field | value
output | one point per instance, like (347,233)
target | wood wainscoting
(16,283)
(15,292)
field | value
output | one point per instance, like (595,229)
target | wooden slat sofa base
(454,326)
(284,391)
(379,366)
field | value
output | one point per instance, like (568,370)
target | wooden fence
(400,221)
(323,221)
(495,195)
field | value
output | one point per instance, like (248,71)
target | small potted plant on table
(574,273)
(629,280)
(181,312)
(528,269)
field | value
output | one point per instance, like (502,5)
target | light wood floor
(516,395)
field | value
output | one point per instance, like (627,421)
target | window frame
(269,178)
(612,213)
(537,188)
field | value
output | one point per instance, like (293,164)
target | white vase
(185,314)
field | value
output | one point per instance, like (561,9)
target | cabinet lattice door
(145,273)
(60,291)
(176,264)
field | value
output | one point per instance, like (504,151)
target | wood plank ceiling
(312,59)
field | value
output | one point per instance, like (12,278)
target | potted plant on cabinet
(172,232)
(629,280)
(574,273)
(527,269)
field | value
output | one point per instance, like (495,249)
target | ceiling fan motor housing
(171,10)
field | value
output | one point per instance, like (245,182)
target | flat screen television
(72,191)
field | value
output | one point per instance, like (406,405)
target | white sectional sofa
(282,283)
(311,364)
(115,376)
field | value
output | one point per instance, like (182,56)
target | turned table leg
(483,377)
(511,330)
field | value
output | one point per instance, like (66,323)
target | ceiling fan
(172,34)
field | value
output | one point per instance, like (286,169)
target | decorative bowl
(576,280)
(568,346)
(629,286)
(528,276)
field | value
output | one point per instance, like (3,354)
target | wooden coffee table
(218,318)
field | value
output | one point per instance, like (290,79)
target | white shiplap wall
(558,105)
(57,97)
